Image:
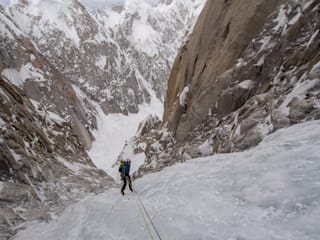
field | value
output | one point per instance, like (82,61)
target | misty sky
(5,2)
(94,4)
(91,3)
(101,3)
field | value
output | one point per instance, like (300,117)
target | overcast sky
(5,2)
(101,3)
(91,3)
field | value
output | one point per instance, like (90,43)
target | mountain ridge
(229,88)
(61,72)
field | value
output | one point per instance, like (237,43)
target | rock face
(24,65)
(43,165)
(248,69)
(80,48)
(43,139)
(60,63)
(243,59)
(221,35)
(103,63)
(151,34)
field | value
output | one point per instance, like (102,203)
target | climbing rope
(144,213)
(145,219)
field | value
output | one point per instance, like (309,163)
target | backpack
(126,168)
(121,166)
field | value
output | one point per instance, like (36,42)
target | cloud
(94,4)
(4,2)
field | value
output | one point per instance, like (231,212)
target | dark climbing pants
(126,178)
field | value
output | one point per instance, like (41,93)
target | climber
(124,169)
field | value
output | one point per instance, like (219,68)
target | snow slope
(52,15)
(113,131)
(269,192)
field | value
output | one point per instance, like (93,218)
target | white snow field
(269,192)
(114,130)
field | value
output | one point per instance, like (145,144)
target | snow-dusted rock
(43,164)
(151,122)
(243,84)
(60,65)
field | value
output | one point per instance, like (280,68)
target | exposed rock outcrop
(150,33)
(44,135)
(250,68)
(92,62)
(80,48)
(59,64)
(43,166)
(224,30)
(24,65)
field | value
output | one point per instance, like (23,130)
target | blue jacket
(126,168)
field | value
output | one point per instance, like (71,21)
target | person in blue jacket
(124,169)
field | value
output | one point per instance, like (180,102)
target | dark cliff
(248,69)
(224,30)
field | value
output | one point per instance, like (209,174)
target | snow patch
(149,119)
(295,19)
(266,43)
(145,38)
(266,127)
(73,166)
(32,57)
(261,61)
(52,13)
(206,148)
(27,71)
(113,17)
(281,20)
(16,157)
(56,118)
(315,70)
(166,136)
(247,84)
(101,62)
(51,115)
(313,37)
(13,76)
(156,146)
(241,63)
(6,26)
(113,131)
(299,91)
(307,4)
(183,98)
